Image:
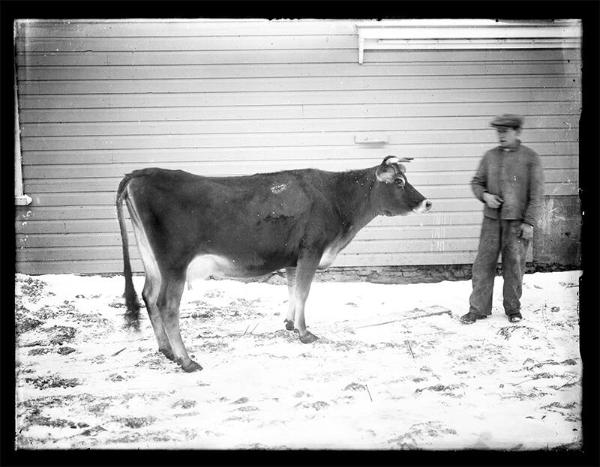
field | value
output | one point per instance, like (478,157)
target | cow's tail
(131,299)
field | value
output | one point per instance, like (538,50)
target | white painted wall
(225,97)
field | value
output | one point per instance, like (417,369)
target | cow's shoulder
(315,179)
(292,192)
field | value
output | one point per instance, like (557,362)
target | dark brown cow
(248,226)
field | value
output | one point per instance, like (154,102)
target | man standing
(509,181)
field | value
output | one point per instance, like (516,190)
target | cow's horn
(397,160)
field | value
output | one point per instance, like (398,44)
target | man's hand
(492,201)
(526,231)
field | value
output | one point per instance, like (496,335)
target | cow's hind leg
(150,296)
(307,265)
(290,274)
(152,284)
(168,303)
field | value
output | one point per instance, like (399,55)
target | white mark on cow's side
(278,188)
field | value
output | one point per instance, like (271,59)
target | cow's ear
(386,172)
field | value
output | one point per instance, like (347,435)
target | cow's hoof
(308,338)
(168,353)
(289,325)
(190,366)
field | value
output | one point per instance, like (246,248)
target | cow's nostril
(428,204)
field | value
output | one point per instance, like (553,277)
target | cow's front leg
(305,272)
(290,274)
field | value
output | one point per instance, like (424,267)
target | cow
(248,226)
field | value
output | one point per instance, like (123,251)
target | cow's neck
(355,206)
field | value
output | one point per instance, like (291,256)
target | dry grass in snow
(393,368)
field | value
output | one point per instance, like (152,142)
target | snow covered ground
(393,368)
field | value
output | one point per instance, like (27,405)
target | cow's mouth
(423,207)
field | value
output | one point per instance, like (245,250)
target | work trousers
(498,236)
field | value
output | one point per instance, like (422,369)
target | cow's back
(258,221)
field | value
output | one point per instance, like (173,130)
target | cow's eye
(400,182)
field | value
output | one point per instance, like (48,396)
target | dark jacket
(514,174)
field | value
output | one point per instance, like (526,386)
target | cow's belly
(206,265)
(251,265)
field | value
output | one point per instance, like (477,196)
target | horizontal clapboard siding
(341,96)
(73,73)
(214,27)
(216,140)
(232,97)
(423,153)
(286,56)
(315,125)
(183,86)
(250,112)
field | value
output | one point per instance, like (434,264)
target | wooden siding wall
(225,97)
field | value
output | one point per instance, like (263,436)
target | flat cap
(508,120)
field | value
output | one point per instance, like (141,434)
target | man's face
(507,136)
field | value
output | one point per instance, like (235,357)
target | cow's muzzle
(423,206)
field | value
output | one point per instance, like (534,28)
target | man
(509,181)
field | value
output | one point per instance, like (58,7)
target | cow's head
(395,196)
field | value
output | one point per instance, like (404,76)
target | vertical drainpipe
(21,199)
